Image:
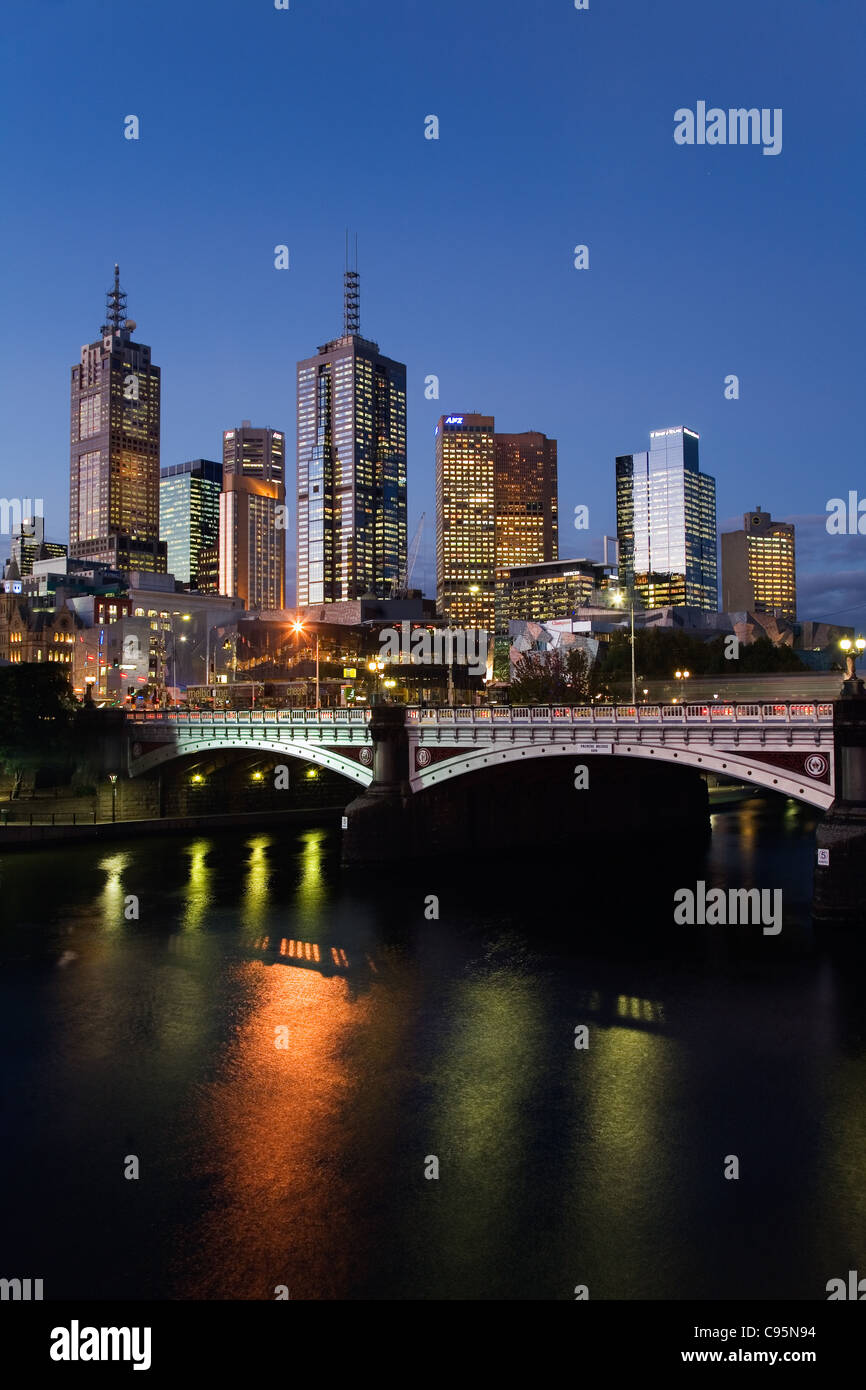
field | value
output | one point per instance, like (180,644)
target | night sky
(260,127)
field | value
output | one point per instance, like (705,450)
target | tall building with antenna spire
(114,448)
(351,512)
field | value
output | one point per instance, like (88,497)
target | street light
(376,667)
(112,777)
(298,626)
(207,673)
(619,599)
(852,684)
(681,676)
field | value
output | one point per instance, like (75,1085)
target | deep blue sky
(261,127)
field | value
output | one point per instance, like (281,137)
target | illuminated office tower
(554,589)
(255,453)
(666,523)
(351,467)
(114,454)
(759,567)
(465,520)
(252,532)
(252,555)
(189,515)
(29,544)
(526,498)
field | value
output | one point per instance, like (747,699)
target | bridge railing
(689,713)
(233,717)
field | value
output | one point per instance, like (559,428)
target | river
(282,1052)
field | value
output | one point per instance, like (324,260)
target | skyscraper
(527,528)
(547,591)
(189,514)
(465,520)
(759,567)
(114,455)
(351,466)
(666,523)
(29,544)
(252,532)
(255,452)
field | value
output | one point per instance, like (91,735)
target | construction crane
(400,585)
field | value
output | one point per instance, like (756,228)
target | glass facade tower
(666,523)
(189,511)
(29,544)
(351,470)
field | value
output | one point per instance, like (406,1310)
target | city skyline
(521,444)
(669,307)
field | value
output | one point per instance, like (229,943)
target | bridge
(784,747)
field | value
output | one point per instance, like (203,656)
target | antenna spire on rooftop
(115,306)
(351,294)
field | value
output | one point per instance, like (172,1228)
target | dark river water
(410,1039)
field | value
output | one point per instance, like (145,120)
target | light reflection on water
(410,1040)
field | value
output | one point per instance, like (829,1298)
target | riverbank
(29,836)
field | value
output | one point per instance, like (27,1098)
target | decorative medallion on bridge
(422,757)
(366,756)
(136,750)
(814,765)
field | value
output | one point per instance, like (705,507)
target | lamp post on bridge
(682,676)
(298,627)
(619,599)
(376,667)
(852,684)
(841,837)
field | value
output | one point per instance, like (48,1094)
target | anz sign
(454,420)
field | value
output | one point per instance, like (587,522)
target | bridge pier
(839,894)
(379,823)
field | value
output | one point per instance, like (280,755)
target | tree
(533,682)
(580,677)
(548,678)
(37,708)
(764,655)
(661,651)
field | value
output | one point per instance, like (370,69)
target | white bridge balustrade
(788,747)
(686,714)
(249,716)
